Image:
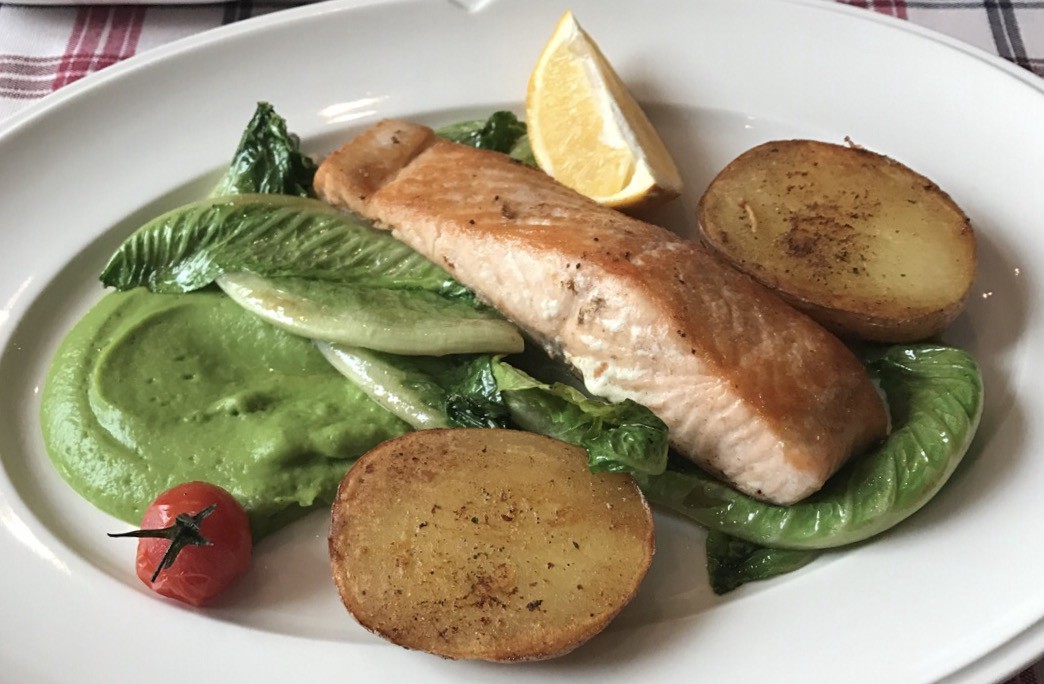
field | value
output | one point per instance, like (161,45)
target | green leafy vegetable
(271,235)
(268,160)
(501,132)
(383,319)
(426,392)
(483,391)
(474,399)
(523,152)
(733,562)
(935,397)
(622,437)
(304,266)
(402,385)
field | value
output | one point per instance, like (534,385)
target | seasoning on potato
(861,243)
(487,544)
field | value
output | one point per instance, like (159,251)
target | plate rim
(290,14)
(10,126)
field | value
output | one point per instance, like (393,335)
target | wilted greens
(380,318)
(268,160)
(733,562)
(273,236)
(935,397)
(501,132)
(485,391)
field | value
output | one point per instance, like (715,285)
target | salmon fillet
(751,390)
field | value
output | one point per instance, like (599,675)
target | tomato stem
(184,532)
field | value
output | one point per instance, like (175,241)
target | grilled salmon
(751,390)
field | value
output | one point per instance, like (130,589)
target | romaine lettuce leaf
(385,319)
(484,391)
(273,236)
(473,398)
(935,396)
(620,437)
(733,562)
(501,132)
(268,160)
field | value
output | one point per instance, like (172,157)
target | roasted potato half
(487,544)
(861,243)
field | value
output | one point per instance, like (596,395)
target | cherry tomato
(212,536)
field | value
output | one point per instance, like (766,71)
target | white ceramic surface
(954,593)
(68,3)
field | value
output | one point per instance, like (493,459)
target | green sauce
(149,391)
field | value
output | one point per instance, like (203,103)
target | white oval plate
(933,599)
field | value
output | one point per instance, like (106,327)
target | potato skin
(487,544)
(864,245)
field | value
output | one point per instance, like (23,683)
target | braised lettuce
(268,160)
(935,398)
(486,391)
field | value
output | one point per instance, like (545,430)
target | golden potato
(487,544)
(861,243)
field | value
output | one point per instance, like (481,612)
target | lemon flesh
(588,132)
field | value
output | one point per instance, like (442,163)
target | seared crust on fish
(751,390)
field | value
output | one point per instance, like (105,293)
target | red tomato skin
(199,573)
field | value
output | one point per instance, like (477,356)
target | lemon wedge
(588,132)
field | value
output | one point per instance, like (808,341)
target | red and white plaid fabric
(45,48)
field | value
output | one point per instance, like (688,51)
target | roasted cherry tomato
(195,541)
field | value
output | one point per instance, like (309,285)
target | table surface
(45,46)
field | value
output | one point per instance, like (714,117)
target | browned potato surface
(487,544)
(861,243)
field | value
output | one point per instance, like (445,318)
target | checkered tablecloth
(43,48)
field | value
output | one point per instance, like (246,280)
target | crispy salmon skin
(751,390)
